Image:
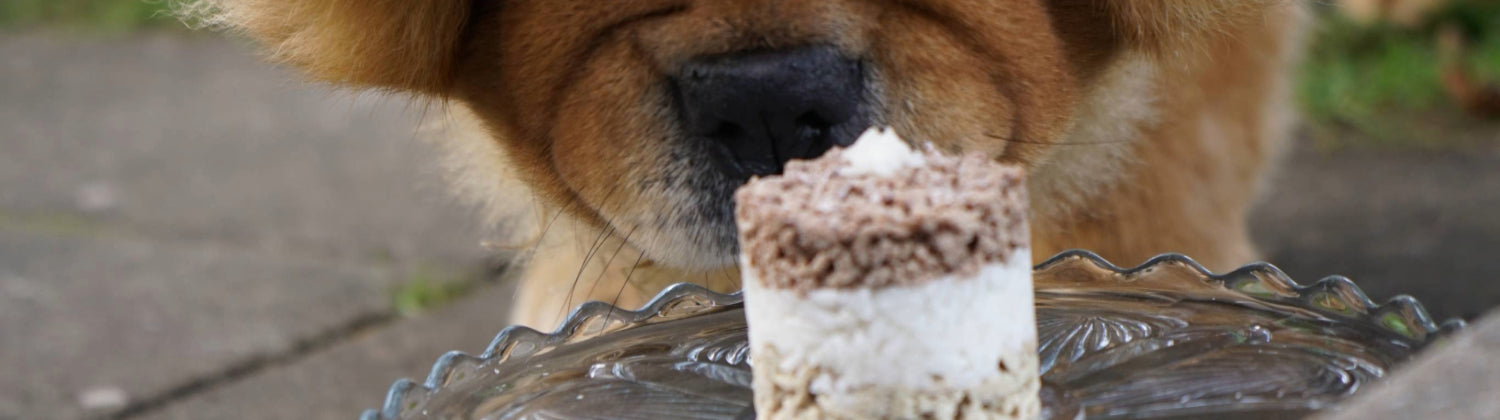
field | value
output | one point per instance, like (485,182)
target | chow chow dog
(1145,125)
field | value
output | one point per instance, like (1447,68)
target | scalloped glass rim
(1330,297)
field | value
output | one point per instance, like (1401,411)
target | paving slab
(193,137)
(1395,222)
(1457,380)
(352,376)
(173,211)
(89,325)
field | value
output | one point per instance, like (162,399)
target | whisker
(623,241)
(615,303)
(536,241)
(602,203)
(731,279)
(541,236)
(598,243)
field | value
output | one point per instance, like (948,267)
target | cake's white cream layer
(943,334)
(879,152)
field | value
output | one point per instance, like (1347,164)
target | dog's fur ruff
(1145,124)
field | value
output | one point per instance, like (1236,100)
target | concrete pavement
(188,233)
(176,216)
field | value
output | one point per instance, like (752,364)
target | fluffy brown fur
(1145,124)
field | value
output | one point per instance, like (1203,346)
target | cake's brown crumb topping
(815,227)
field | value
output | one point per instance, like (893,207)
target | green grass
(1380,85)
(86,15)
(58,224)
(428,287)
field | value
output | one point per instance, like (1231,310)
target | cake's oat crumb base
(1012,394)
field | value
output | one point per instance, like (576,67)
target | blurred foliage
(88,15)
(1381,83)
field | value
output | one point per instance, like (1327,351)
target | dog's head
(643,116)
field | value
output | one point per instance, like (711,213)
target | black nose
(765,108)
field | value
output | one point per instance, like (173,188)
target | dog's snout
(766,108)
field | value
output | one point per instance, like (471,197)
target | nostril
(757,110)
(726,131)
(812,127)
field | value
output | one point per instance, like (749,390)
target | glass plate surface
(1167,339)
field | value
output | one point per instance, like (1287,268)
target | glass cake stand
(1167,339)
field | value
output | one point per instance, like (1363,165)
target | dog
(1145,125)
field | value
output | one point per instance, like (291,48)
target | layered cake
(883,282)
